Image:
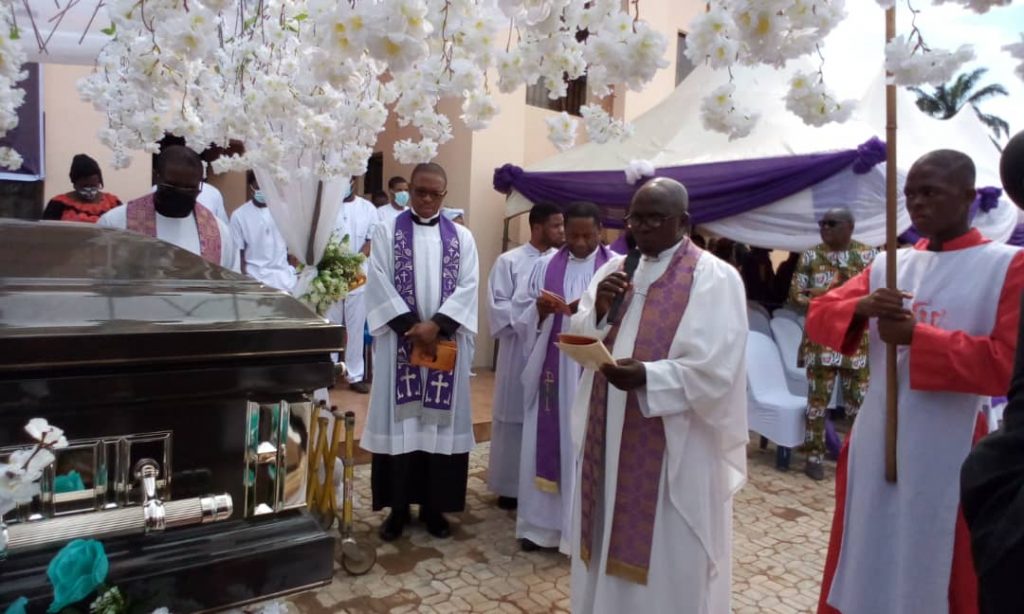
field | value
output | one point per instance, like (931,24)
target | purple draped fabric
(985,200)
(717,189)
(1017,238)
(26,137)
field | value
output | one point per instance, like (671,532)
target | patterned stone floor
(781,523)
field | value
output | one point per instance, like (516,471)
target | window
(575,97)
(683,64)
(373,180)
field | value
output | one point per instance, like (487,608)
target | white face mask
(347,191)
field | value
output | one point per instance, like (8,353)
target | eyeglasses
(431,194)
(829,223)
(181,189)
(651,221)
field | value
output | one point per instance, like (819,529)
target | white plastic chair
(772,410)
(788,335)
(789,314)
(758,321)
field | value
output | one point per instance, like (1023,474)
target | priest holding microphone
(660,436)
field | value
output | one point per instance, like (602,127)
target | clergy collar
(431,221)
(536,249)
(971,238)
(668,253)
(588,258)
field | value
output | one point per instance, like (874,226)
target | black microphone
(632,260)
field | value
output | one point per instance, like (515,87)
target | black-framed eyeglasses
(181,189)
(829,223)
(654,220)
(431,194)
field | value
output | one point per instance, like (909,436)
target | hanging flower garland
(772,32)
(315,80)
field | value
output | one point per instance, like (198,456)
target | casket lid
(73,294)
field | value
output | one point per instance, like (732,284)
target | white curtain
(292,203)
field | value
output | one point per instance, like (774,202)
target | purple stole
(431,403)
(642,451)
(141,218)
(548,449)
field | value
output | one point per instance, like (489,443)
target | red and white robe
(903,548)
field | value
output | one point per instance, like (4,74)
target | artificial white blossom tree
(736,33)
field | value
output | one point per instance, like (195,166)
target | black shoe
(360,387)
(814,469)
(436,524)
(508,503)
(393,525)
(528,546)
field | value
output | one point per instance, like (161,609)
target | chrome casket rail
(110,523)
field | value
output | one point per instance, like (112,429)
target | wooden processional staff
(891,373)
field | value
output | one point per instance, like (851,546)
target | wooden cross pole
(311,244)
(891,384)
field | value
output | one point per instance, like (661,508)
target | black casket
(185,391)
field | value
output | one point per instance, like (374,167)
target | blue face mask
(402,198)
(259,197)
(347,191)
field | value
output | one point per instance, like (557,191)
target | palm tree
(945,101)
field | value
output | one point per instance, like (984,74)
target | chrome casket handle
(110,523)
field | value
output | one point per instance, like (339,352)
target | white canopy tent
(671,134)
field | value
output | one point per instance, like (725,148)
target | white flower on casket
(46,434)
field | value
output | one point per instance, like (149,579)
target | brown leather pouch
(447,351)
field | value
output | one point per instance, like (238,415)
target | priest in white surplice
(422,288)
(356,219)
(173,214)
(550,378)
(511,271)
(661,435)
(262,251)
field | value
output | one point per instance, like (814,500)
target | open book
(589,352)
(558,302)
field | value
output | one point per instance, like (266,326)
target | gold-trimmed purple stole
(140,217)
(548,452)
(642,451)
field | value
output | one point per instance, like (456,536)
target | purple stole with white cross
(431,403)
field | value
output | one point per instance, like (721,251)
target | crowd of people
(630,468)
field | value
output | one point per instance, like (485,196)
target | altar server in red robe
(903,548)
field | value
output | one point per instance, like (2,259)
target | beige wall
(72,127)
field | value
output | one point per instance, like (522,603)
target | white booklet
(588,352)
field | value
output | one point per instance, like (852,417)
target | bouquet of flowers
(338,273)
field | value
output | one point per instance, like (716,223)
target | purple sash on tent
(548,449)
(642,448)
(431,403)
(141,218)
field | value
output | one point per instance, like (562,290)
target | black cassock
(992,497)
